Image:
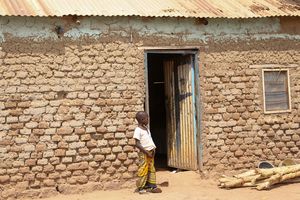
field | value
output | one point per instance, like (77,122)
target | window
(276,90)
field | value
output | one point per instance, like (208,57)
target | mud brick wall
(67,114)
(237,132)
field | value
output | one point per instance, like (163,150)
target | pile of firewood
(261,179)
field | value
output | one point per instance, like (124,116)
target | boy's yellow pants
(146,172)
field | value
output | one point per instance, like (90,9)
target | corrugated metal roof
(152,8)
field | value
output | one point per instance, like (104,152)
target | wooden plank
(273,66)
(146,84)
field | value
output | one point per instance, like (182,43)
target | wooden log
(270,181)
(251,172)
(257,176)
(238,182)
(227,179)
(278,170)
(277,178)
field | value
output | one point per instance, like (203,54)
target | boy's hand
(149,154)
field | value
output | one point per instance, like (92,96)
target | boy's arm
(141,148)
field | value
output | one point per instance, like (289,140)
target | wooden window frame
(288,90)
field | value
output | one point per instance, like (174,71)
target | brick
(45,138)
(128,148)
(24,118)
(81,179)
(71,153)
(38,131)
(105,150)
(122,156)
(55,124)
(10,120)
(90,130)
(71,138)
(42,161)
(79,131)
(56,138)
(63,145)
(48,168)
(286,138)
(24,104)
(65,131)
(85,137)
(60,152)
(99,158)
(61,167)
(17,126)
(76,123)
(10,104)
(50,131)
(29,148)
(132,168)
(290,144)
(16,112)
(111,157)
(41,147)
(295,138)
(30,162)
(21,140)
(38,104)
(105,164)
(133,155)
(83,151)
(67,160)
(54,175)
(76,145)
(78,166)
(91,144)
(239,153)
(117,149)
(4,179)
(31,125)
(37,169)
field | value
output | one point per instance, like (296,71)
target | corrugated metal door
(181,123)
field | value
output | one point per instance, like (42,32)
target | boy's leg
(142,171)
(151,181)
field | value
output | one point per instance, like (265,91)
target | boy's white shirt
(145,138)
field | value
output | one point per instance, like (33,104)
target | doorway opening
(171,107)
(157,107)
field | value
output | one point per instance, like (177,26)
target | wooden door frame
(198,111)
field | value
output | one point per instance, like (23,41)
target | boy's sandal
(154,190)
(143,191)
(140,191)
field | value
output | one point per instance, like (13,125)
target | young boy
(144,142)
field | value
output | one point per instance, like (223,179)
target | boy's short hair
(140,114)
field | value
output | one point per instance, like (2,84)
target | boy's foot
(154,190)
(140,191)
(143,191)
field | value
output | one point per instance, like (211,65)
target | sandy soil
(189,186)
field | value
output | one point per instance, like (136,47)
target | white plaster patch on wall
(189,29)
(83,29)
(32,27)
(242,26)
(257,37)
(38,28)
(276,36)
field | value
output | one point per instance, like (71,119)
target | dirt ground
(189,186)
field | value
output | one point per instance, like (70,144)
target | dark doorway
(157,106)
